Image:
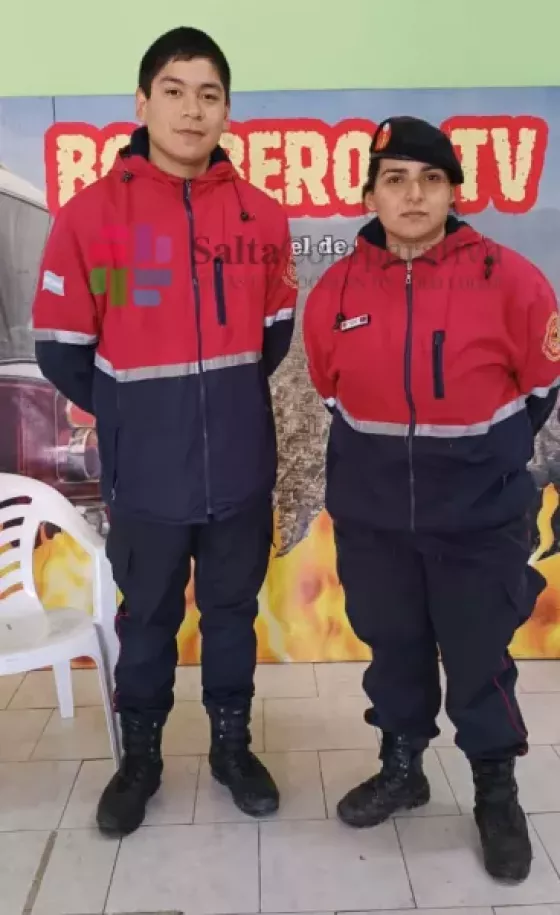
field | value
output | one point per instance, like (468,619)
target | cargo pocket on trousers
(119,554)
(525,596)
(535,585)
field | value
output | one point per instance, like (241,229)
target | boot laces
(501,820)
(389,779)
(496,798)
(231,729)
(132,772)
(242,762)
(232,737)
(494,782)
(141,749)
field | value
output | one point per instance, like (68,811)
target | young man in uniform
(147,317)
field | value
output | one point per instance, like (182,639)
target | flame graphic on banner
(540,637)
(302,605)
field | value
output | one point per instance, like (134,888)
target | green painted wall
(83,47)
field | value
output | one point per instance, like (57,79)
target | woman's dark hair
(183,43)
(369,185)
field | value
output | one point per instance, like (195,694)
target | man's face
(186,113)
(411,199)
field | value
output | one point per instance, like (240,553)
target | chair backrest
(19,526)
(25,504)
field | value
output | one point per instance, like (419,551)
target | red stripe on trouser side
(507,703)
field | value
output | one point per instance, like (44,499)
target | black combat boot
(233,765)
(506,845)
(401,784)
(122,806)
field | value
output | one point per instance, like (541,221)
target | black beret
(416,140)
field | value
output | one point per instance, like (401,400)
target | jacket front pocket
(219,290)
(438,340)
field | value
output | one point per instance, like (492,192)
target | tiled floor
(197,854)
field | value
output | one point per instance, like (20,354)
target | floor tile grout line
(294,820)
(323,785)
(78,759)
(31,757)
(542,844)
(196,788)
(76,777)
(112,877)
(447,779)
(277,697)
(40,873)
(331,748)
(53,706)
(516,905)
(7,707)
(398,837)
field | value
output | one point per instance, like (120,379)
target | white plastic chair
(32,637)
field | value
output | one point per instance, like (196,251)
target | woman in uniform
(437,351)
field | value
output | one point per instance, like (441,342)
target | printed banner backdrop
(309,150)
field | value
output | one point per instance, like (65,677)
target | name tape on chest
(351,323)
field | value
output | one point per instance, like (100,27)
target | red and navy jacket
(439,373)
(162,308)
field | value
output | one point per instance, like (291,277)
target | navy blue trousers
(152,566)
(414,597)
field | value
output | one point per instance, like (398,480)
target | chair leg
(110,714)
(63,679)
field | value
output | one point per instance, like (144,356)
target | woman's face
(411,199)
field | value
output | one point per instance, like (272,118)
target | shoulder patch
(551,342)
(290,276)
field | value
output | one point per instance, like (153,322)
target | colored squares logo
(147,282)
(117,284)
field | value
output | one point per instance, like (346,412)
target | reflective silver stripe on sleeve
(428,430)
(285,314)
(64,336)
(176,370)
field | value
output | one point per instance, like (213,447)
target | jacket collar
(458,234)
(134,160)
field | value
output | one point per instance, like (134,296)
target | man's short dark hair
(183,43)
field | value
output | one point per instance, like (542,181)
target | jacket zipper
(438,340)
(408,392)
(196,290)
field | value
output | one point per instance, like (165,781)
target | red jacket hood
(458,234)
(133,161)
